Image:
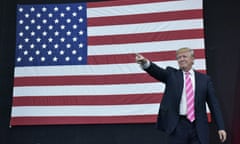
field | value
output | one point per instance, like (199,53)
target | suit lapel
(196,88)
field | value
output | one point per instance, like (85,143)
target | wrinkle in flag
(75,63)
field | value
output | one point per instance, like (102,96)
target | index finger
(138,55)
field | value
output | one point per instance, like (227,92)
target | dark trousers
(185,133)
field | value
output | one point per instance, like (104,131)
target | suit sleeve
(214,106)
(157,72)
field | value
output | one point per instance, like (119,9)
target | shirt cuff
(145,65)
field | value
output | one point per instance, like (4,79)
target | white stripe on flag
(158,46)
(113,110)
(89,90)
(145,27)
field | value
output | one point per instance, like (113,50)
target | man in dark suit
(182,112)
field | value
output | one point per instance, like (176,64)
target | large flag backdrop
(75,62)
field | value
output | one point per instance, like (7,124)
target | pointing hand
(140,59)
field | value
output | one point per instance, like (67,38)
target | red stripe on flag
(83,120)
(146,37)
(130,58)
(83,80)
(144,18)
(87,100)
(202,71)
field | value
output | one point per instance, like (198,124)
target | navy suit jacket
(168,115)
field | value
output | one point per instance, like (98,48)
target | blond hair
(185,49)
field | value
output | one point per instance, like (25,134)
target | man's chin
(183,68)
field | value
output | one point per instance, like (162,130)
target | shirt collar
(191,72)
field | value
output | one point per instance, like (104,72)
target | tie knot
(187,73)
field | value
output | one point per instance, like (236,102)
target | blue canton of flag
(51,35)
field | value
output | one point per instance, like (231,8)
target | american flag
(75,62)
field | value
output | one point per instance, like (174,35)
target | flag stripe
(82,80)
(83,120)
(145,18)
(145,28)
(145,47)
(96,110)
(87,100)
(135,38)
(129,58)
(110,89)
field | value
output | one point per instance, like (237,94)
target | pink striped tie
(190,98)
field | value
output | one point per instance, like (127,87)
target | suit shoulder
(202,75)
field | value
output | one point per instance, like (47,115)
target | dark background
(222,27)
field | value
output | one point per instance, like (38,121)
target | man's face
(185,60)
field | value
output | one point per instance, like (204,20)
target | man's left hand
(222,135)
